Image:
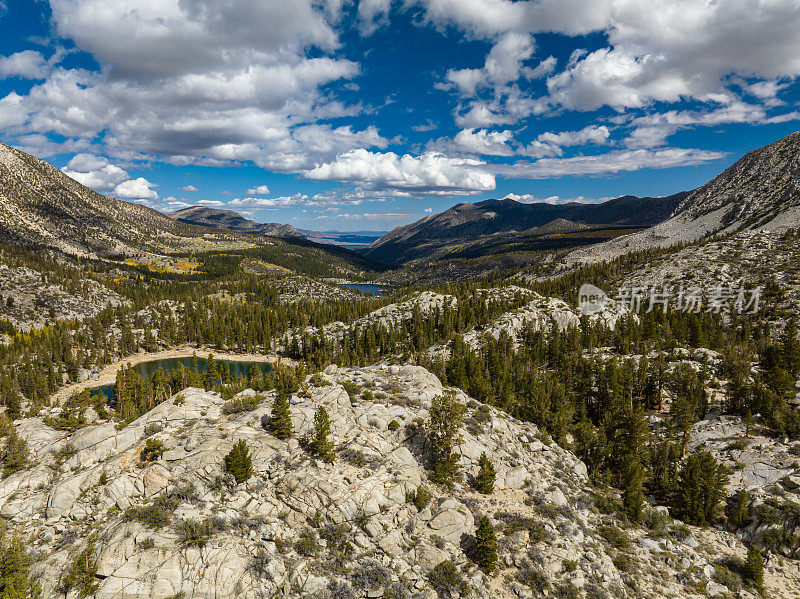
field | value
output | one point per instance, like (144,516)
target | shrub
(321,446)
(394,425)
(156,515)
(196,533)
(248,403)
(486,551)
(533,577)
(447,580)
(153,450)
(81,575)
(238,462)
(420,498)
(485,479)
(615,537)
(306,543)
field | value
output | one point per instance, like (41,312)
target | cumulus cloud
(28,64)
(259,190)
(193,82)
(95,172)
(493,143)
(189,188)
(135,189)
(503,65)
(429,173)
(666,51)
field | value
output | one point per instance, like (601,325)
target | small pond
(370,288)
(148,369)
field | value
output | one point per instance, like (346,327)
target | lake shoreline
(108,374)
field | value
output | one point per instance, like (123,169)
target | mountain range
(464,223)
(217,218)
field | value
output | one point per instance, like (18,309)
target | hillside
(760,192)
(42,207)
(175,524)
(228,219)
(465,223)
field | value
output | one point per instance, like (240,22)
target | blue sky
(353,115)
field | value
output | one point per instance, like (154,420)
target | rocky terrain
(539,314)
(232,221)
(42,206)
(29,298)
(173,524)
(759,192)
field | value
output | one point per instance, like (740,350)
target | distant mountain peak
(219,218)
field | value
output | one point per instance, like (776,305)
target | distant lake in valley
(148,369)
(367,288)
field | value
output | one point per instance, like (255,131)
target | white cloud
(95,172)
(665,51)
(429,173)
(524,198)
(298,199)
(493,143)
(212,203)
(373,14)
(603,164)
(259,190)
(194,82)
(503,65)
(28,64)
(189,188)
(597,135)
(135,189)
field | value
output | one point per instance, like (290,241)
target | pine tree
(211,377)
(633,491)
(281,416)
(238,462)
(701,488)
(15,580)
(321,446)
(444,423)
(486,552)
(485,479)
(14,454)
(753,569)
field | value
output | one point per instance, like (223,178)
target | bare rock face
(302,528)
(760,192)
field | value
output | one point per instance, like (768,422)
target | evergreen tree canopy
(238,462)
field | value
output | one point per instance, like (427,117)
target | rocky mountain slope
(174,525)
(228,219)
(465,222)
(41,206)
(761,191)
